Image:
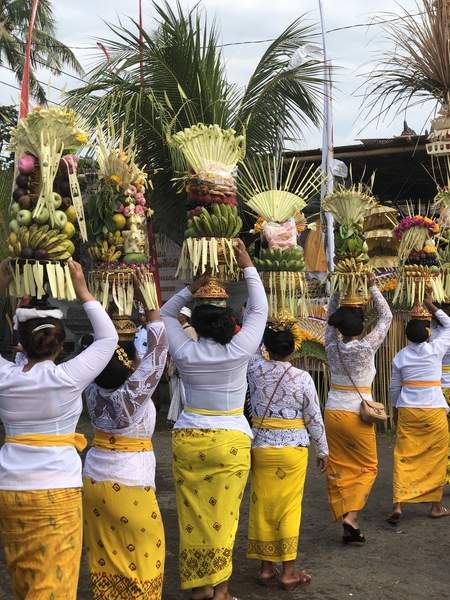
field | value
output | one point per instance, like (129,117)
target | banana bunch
(280,255)
(105,252)
(13,245)
(350,265)
(115,238)
(223,222)
(296,266)
(39,237)
(419,271)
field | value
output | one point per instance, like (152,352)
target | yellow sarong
(210,469)
(276,492)
(420,455)
(352,462)
(446,392)
(42,537)
(124,538)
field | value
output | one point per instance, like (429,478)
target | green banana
(198,223)
(207,223)
(216,226)
(238,227)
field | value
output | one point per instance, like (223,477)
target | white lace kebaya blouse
(214,375)
(359,356)
(47,400)
(295,398)
(128,411)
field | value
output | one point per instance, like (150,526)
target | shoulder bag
(371,411)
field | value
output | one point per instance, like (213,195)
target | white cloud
(83,23)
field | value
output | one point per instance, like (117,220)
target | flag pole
(327,139)
(25,93)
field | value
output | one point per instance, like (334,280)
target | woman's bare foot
(202,593)
(437,511)
(395,515)
(298,579)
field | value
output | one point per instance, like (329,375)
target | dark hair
(279,342)
(348,320)
(213,322)
(116,373)
(43,343)
(416,331)
(85,341)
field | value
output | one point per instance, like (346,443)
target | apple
(24,217)
(26,252)
(22,181)
(60,219)
(69,230)
(43,216)
(57,200)
(70,247)
(15,207)
(25,202)
(14,226)
(71,214)
(18,192)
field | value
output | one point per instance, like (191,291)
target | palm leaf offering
(118,223)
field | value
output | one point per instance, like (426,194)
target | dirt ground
(403,562)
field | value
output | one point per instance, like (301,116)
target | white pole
(327,140)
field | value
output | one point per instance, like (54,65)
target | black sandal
(352,535)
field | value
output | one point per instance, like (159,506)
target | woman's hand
(370,279)
(79,282)
(322,463)
(199,283)
(429,305)
(242,257)
(395,416)
(138,279)
(5,276)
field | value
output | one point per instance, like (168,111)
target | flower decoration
(417,221)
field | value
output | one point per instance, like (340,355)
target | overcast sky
(351,40)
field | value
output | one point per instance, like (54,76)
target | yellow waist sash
(423,383)
(215,413)
(446,368)
(120,443)
(269,423)
(40,440)
(365,389)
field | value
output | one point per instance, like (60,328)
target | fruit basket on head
(46,209)
(278,254)
(418,270)
(209,158)
(349,206)
(442,203)
(117,225)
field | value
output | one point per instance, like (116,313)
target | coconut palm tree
(417,65)
(176,75)
(46,51)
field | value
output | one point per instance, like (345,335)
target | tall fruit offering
(46,205)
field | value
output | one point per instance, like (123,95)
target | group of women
(45,499)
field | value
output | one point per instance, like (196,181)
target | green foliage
(8,120)
(101,206)
(311,349)
(6,181)
(177,76)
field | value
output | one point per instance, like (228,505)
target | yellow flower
(81,138)
(116,179)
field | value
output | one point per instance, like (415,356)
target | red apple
(25,202)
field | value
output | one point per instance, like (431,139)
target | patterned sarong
(124,537)
(278,478)
(352,462)
(420,455)
(210,469)
(446,392)
(42,536)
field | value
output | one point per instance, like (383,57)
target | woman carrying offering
(123,529)
(285,409)
(211,439)
(352,464)
(40,469)
(420,413)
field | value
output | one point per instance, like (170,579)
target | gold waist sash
(446,368)
(40,440)
(269,423)
(423,383)
(120,443)
(364,389)
(215,413)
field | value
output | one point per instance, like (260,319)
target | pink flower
(121,208)
(126,211)
(138,210)
(140,200)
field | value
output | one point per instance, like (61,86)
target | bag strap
(270,401)
(347,372)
